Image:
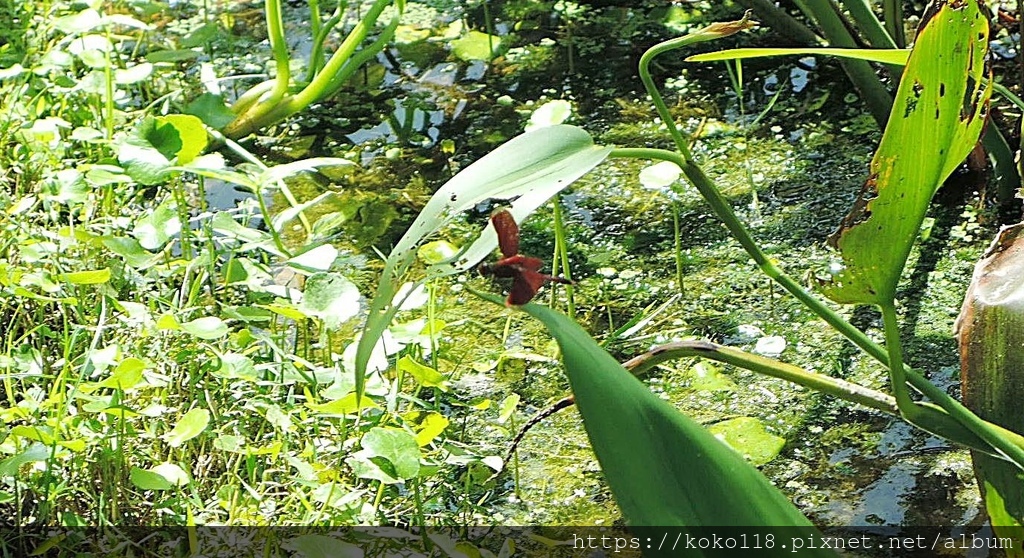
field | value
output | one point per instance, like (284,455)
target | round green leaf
(148,480)
(397,446)
(210,327)
(190,426)
(173,473)
(747,436)
(436,252)
(476,45)
(330,297)
(192,138)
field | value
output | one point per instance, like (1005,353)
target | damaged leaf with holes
(937,117)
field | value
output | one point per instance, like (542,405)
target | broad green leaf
(201,35)
(125,20)
(550,114)
(43,435)
(223,223)
(85,20)
(428,425)
(210,327)
(119,412)
(885,56)
(660,175)
(36,452)
(438,251)
(235,366)
(748,437)
(281,419)
(146,153)
(192,138)
(397,446)
(476,45)
(331,297)
(132,251)
(212,110)
(77,445)
(321,546)
(157,144)
(229,443)
(92,135)
(168,322)
(319,258)
(126,375)
(345,406)
(507,407)
(707,377)
(938,115)
(178,55)
(133,74)
(68,187)
(148,480)
(157,227)
(12,72)
(281,219)
(424,375)
(531,168)
(270,176)
(173,473)
(93,277)
(364,467)
(286,310)
(188,427)
(628,425)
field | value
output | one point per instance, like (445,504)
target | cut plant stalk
(990,331)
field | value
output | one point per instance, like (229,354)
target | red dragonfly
(524,270)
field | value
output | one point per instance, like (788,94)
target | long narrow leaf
(936,120)
(531,168)
(663,468)
(884,56)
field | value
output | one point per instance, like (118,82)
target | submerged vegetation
(203,326)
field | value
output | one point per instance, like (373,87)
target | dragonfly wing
(508,232)
(524,288)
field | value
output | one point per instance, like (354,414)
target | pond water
(790,150)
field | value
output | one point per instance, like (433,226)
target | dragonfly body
(524,270)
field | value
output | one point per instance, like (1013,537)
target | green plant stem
(314,19)
(842,389)
(782,22)
(953,415)
(677,238)
(950,418)
(861,74)
(561,258)
(659,103)
(892,11)
(897,375)
(282,62)
(316,55)
(342,64)
(866,22)
(108,78)
(264,210)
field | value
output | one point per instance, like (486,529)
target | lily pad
(747,436)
